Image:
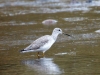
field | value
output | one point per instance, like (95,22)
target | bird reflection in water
(43,66)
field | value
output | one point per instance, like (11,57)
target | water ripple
(45,7)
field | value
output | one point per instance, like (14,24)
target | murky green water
(21,23)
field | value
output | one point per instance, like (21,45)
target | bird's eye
(59,30)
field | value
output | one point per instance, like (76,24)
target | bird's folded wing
(38,43)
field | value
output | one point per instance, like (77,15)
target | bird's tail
(22,51)
(25,51)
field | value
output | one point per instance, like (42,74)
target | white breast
(47,45)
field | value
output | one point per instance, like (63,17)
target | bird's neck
(54,35)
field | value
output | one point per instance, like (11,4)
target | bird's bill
(66,34)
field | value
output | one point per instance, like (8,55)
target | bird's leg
(43,54)
(38,54)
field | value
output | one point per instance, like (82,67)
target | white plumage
(43,43)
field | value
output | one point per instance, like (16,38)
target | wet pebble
(49,22)
(98,31)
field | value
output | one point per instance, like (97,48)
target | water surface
(21,23)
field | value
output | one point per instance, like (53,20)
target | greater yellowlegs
(43,43)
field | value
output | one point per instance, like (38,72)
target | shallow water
(21,23)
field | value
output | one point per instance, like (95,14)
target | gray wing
(38,43)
